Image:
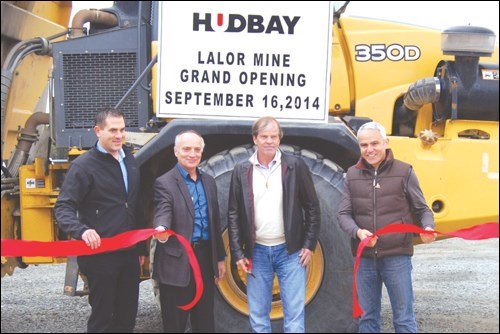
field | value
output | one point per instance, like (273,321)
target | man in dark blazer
(185,201)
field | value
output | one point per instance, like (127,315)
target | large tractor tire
(329,275)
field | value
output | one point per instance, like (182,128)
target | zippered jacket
(93,196)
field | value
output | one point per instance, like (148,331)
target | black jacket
(301,210)
(93,196)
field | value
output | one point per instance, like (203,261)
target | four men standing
(273,223)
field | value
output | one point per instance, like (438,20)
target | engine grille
(96,72)
(94,81)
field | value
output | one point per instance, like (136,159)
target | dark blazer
(173,208)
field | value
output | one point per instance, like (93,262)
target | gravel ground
(456,291)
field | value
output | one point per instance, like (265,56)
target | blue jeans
(292,283)
(395,273)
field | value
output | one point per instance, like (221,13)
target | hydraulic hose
(27,136)
(421,92)
(92,16)
(18,53)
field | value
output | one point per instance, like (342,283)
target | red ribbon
(477,232)
(78,247)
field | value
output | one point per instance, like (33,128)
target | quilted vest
(378,199)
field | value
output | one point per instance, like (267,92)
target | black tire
(330,307)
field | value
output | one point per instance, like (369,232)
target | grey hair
(178,138)
(373,126)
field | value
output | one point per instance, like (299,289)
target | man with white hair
(381,190)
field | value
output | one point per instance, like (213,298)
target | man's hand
(161,236)
(428,238)
(221,265)
(362,234)
(244,265)
(91,238)
(305,256)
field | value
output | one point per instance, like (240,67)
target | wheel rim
(233,286)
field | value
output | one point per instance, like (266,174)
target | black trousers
(202,314)
(113,280)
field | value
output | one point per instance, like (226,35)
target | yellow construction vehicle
(436,92)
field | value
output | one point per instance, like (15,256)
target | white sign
(244,59)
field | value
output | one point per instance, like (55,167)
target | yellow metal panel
(36,209)
(22,20)
(22,24)
(25,91)
(373,87)
(460,172)
(340,85)
(8,206)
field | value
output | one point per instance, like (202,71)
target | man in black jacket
(99,199)
(274,220)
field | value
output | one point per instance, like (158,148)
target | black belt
(199,244)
